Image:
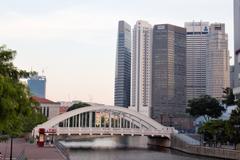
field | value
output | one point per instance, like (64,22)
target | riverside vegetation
(17,113)
(217,132)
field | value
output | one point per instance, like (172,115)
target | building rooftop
(43,100)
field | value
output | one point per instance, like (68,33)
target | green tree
(34,118)
(205,106)
(15,103)
(7,68)
(228,97)
(78,105)
(235,125)
(215,132)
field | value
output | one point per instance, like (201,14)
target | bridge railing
(113,131)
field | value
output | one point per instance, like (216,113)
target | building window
(47,111)
(44,111)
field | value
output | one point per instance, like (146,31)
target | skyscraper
(196,52)
(123,66)
(168,71)
(217,61)
(37,86)
(237,43)
(141,68)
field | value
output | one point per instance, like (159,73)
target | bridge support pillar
(159,141)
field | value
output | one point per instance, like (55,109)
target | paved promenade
(32,151)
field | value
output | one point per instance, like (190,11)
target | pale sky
(74,41)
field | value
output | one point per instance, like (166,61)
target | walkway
(187,139)
(32,151)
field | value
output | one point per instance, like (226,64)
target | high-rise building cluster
(169,66)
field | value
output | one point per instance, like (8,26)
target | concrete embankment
(191,146)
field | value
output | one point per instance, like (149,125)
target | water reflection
(122,148)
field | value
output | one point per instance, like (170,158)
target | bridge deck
(165,132)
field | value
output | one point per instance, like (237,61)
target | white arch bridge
(105,120)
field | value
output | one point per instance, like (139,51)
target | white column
(100,115)
(68,124)
(120,120)
(110,119)
(85,114)
(79,121)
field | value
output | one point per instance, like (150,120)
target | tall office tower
(168,72)
(196,47)
(141,68)
(123,66)
(37,86)
(237,44)
(217,61)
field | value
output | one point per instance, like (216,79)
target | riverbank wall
(62,149)
(179,144)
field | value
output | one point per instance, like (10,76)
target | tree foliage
(215,131)
(15,102)
(235,124)
(7,68)
(223,132)
(228,97)
(78,105)
(205,106)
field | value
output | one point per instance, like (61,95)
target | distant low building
(47,107)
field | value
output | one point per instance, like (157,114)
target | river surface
(123,148)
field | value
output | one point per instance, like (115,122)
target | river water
(122,148)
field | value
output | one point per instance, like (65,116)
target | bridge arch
(103,119)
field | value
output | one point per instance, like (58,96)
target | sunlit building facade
(218,68)
(141,68)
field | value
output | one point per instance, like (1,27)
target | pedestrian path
(187,139)
(31,151)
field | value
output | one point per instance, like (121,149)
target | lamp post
(11,148)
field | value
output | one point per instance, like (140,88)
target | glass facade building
(37,86)
(168,71)
(123,66)
(196,52)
